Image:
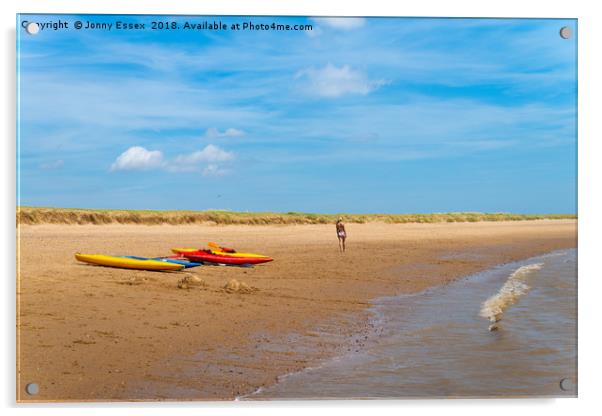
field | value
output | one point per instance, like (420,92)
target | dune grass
(37,215)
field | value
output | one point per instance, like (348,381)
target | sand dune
(34,215)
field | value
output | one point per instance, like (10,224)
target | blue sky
(388,115)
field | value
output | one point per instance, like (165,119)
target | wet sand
(94,333)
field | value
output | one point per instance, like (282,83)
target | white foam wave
(515,287)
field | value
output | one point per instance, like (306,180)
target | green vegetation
(35,215)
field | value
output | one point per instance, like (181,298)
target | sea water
(510,331)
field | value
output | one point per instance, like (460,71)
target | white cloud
(214,170)
(138,158)
(214,133)
(332,81)
(342,23)
(210,154)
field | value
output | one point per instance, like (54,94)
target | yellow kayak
(184,250)
(127,263)
(219,253)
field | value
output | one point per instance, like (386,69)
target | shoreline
(216,346)
(378,312)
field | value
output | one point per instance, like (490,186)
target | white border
(590,207)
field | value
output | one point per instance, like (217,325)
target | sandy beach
(95,333)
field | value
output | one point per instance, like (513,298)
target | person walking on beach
(341,234)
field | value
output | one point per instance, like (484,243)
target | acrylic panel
(270,208)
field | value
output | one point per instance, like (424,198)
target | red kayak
(207,256)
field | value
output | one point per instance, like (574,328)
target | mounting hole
(32,28)
(565,32)
(32,389)
(566,384)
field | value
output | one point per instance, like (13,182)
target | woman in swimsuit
(341,234)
